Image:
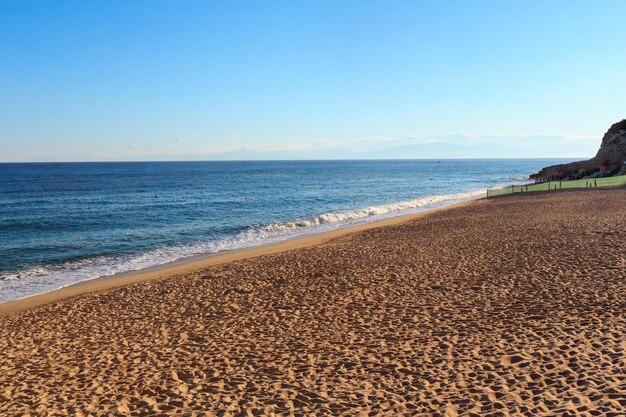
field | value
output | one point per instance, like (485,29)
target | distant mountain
(458,146)
(250,155)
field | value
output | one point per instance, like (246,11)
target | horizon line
(293,160)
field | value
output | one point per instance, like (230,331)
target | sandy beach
(507,306)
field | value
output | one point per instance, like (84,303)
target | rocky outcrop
(609,160)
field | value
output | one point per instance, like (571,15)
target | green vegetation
(560,185)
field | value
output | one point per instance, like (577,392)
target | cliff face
(609,159)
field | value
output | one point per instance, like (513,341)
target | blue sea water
(63,223)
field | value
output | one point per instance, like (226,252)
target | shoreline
(12,307)
(487,306)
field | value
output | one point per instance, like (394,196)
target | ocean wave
(39,279)
(358,214)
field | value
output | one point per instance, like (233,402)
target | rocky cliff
(610,157)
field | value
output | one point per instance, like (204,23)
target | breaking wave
(363,213)
(41,279)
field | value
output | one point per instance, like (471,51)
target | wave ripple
(41,279)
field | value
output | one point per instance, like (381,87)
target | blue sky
(135,80)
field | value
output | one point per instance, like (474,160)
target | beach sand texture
(509,306)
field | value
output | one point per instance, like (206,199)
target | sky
(175,80)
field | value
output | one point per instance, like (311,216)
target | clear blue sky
(107,80)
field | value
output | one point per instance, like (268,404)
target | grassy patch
(560,185)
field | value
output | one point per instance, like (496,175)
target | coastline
(11,307)
(118,226)
(490,306)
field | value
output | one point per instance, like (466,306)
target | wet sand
(508,306)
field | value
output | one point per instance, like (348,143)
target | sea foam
(363,213)
(41,279)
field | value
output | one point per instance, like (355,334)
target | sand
(508,306)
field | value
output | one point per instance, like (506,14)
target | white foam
(37,280)
(340,217)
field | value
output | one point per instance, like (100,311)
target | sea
(63,223)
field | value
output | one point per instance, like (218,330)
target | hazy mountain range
(459,146)
(452,147)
